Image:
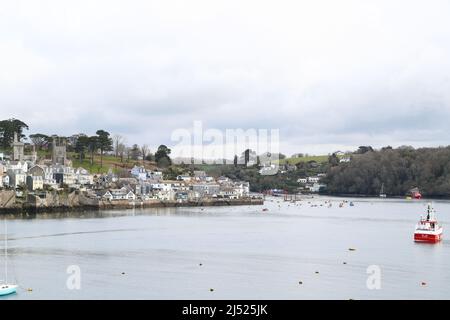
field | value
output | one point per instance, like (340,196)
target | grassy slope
(323,158)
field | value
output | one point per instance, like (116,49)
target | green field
(319,159)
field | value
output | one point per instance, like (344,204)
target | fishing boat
(382,194)
(6,288)
(428,228)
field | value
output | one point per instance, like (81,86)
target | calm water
(245,253)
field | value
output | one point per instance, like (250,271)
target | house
(155,175)
(345,159)
(313,179)
(139,172)
(228,192)
(82,177)
(316,187)
(37,170)
(5,180)
(117,194)
(35,182)
(205,189)
(16,177)
(199,175)
(17,165)
(185,178)
(223,179)
(302,180)
(122,194)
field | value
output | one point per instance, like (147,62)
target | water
(245,253)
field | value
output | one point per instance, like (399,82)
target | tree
(144,152)
(39,140)
(81,146)
(135,152)
(121,149)
(93,146)
(105,143)
(7,130)
(118,140)
(162,157)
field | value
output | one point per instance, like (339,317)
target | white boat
(428,228)
(6,288)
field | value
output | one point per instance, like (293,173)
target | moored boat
(428,228)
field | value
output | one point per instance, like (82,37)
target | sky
(329,75)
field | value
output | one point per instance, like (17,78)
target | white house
(302,180)
(139,173)
(122,194)
(5,180)
(313,179)
(16,178)
(35,183)
(184,178)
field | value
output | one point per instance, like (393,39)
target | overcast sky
(329,74)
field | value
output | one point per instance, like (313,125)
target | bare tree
(144,152)
(117,141)
(121,150)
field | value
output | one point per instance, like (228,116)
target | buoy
(200,264)
(424,283)
(123,272)
(351,249)
(29,289)
(345,262)
(317,272)
(211,289)
(300,282)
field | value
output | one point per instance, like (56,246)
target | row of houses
(15,174)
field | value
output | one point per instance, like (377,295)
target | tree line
(398,170)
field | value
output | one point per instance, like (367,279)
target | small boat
(428,228)
(6,288)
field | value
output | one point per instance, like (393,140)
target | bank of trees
(398,169)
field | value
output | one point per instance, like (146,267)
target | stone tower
(58,153)
(18,148)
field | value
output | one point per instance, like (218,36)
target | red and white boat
(428,228)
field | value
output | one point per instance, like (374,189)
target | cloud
(327,74)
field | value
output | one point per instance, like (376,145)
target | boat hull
(7,289)
(427,237)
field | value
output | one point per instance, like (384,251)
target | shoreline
(27,209)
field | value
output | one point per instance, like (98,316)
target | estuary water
(240,252)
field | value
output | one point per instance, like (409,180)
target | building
(37,170)
(139,173)
(313,179)
(58,152)
(18,148)
(205,189)
(16,178)
(35,183)
(302,180)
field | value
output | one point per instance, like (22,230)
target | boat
(428,228)
(6,288)
(382,194)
